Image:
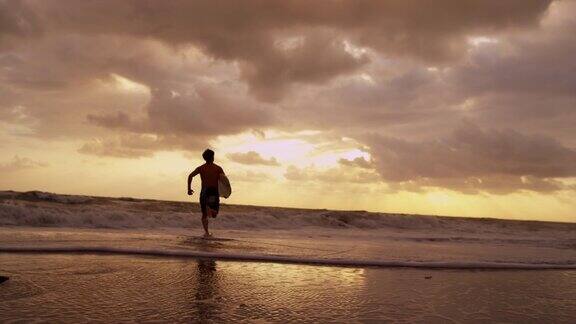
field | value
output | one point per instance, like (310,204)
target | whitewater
(48,223)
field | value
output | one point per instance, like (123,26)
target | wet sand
(110,288)
(358,248)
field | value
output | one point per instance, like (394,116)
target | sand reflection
(206,290)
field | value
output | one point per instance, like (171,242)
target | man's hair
(208,155)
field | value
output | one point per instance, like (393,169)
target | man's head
(208,155)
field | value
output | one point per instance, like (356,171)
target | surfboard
(224,187)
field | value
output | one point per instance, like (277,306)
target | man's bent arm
(190,176)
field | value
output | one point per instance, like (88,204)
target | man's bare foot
(207,234)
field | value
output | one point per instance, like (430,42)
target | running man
(209,197)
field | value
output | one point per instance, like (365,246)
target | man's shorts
(209,197)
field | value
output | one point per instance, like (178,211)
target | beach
(92,259)
(110,288)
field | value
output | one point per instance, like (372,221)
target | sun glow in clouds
(294,149)
(480,40)
(286,148)
(128,85)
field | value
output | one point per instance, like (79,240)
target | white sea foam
(39,209)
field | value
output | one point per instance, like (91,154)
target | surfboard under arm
(224,188)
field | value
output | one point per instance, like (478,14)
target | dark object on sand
(3,278)
(428,277)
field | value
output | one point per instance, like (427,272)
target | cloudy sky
(435,107)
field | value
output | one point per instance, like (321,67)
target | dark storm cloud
(524,63)
(205,111)
(526,80)
(58,81)
(472,158)
(253,32)
(16,20)
(381,95)
(200,113)
(318,58)
(252,157)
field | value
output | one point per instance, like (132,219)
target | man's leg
(212,212)
(205,224)
(205,214)
(213,204)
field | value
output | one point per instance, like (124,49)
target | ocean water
(49,223)
(78,259)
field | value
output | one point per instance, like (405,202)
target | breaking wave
(40,209)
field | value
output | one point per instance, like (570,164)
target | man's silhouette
(209,196)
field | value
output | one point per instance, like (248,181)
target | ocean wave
(38,209)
